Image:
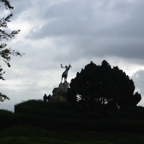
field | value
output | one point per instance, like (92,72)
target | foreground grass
(42,140)
(21,134)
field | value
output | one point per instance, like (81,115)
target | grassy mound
(62,109)
(7,118)
(38,122)
(59,116)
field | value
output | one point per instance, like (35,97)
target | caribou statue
(65,73)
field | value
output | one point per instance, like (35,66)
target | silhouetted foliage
(102,87)
(6,53)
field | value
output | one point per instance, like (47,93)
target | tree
(102,87)
(6,53)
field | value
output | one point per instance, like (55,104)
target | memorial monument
(59,93)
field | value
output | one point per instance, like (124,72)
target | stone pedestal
(59,93)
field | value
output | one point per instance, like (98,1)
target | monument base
(59,93)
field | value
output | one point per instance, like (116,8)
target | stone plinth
(59,93)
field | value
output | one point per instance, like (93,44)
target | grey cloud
(20,7)
(37,56)
(138,78)
(28,10)
(73,48)
(76,18)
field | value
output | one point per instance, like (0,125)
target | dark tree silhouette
(6,53)
(102,87)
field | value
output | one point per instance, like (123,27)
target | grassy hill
(59,116)
(40,122)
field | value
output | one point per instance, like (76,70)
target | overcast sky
(55,32)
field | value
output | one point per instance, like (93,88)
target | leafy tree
(102,87)
(6,53)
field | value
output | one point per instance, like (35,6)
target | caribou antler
(70,65)
(62,66)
